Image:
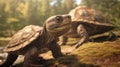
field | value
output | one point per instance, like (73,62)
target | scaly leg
(83,35)
(64,40)
(111,36)
(84,38)
(56,50)
(30,57)
(10,60)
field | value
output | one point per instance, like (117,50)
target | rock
(3,56)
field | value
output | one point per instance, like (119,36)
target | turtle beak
(67,16)
(62,25)
(66,21)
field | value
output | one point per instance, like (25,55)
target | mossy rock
(103,54)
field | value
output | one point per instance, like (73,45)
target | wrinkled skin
(36,40)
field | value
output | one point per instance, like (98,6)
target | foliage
(15,14)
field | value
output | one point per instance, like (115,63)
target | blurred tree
(57,6)
(68,4)
(32,11)
(3,16)
(15,14)
(9,17)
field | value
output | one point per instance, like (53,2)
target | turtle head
(58,24)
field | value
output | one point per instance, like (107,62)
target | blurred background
(15,14)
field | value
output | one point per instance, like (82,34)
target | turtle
(86,22)
(33,40)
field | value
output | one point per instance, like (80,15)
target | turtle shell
(23,38)
(91,18)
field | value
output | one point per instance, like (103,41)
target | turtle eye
(59,19)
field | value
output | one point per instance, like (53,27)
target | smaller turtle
(33,40)
(86,22)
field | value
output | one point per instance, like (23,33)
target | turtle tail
(9,61)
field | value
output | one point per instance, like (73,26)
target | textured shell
(90,16)
(23,38)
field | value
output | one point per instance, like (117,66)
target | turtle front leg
(63,40)
(10,60)
(30,57)
(112,36)
(56,50)
(82,32)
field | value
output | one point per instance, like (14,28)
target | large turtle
(33,40)
(86,22)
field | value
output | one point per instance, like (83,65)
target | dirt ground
(100,53)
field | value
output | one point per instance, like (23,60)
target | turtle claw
(69,50)
(112,36)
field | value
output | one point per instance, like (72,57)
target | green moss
(73,61)
(95,53)
(91,54)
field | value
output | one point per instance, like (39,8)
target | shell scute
(89,16)
(23,38)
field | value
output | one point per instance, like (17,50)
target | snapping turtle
(86,22)
(33,40)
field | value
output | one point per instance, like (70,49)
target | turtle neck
(46,37)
